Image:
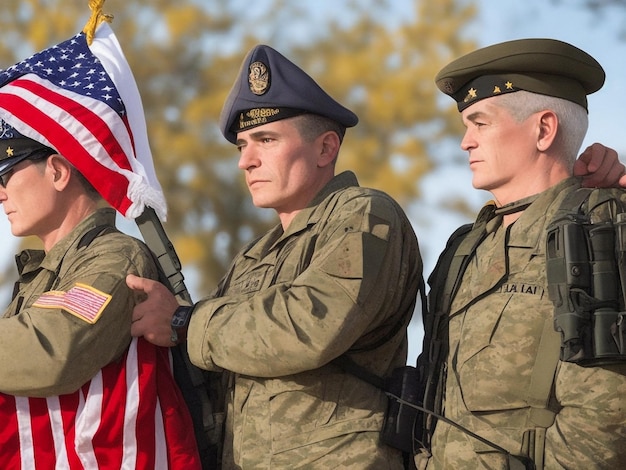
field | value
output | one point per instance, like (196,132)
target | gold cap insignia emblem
(259,78)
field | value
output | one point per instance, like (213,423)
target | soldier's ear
(329,149)
(547,126)
(59,170)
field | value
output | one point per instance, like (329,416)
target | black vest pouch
(401,427)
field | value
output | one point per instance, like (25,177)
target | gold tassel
(96,18)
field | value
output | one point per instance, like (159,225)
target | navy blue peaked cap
(269,88)
(14,147)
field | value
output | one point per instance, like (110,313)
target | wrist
(180,323)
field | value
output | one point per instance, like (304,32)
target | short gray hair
(573,118)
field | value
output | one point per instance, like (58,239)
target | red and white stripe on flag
(82,100)
(130,415)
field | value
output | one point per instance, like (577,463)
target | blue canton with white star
(70,65)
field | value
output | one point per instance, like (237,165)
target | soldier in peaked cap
(271,88)
(15,148)
(337,277)
(497,360)
(544,66)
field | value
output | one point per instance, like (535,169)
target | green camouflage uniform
(495,326)
(48,351)
(343,277)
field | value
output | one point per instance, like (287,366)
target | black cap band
(258,116)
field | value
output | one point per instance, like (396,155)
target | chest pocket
(251,280)
(293,258)
(500,341)
(284,262)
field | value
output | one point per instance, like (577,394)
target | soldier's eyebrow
(262,134)
(475,115)
(258,135)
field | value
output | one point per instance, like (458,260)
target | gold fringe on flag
(96,18)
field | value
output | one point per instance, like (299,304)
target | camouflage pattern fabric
(74,349)
(343,277)
(496,323)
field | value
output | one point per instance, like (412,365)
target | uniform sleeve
(302,323)
(589,430)
(46,350)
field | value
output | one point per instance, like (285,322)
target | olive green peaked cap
(545,66)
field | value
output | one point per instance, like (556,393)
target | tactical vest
(586,279)
(586,282)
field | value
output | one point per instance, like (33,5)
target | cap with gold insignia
(544,66)
(14,147)
(269,88)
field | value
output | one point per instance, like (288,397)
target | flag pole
(97,17)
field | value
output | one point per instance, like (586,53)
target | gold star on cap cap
(545,66)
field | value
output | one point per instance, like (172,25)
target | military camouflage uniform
(49,351)
(343,277)
(496,323)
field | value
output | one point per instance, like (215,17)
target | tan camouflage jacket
(342,278)
(497,320)
(47,351)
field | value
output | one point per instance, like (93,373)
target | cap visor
(8,163)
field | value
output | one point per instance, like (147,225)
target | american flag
(82,100)
(130,415)
(82,301)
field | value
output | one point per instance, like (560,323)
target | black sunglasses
(38,154)
(4,178)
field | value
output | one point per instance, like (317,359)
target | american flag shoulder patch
(82,301)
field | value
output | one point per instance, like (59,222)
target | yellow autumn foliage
(185,55)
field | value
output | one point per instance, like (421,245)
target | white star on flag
(82,100)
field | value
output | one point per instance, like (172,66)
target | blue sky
(498,21)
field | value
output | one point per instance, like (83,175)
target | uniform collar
(536,209)
(516,206)
(339,182)
(308,216)
(529,229)
(304,218)
(104,216)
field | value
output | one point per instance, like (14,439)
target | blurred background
(377,57)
